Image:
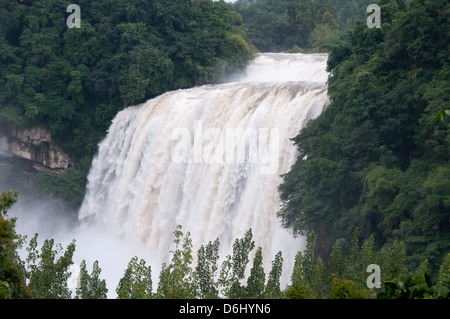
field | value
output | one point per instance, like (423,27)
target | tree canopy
(297,25)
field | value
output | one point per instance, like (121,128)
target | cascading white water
(171,161)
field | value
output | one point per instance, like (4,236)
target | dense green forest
(46,271)
(377,158)
(297,26)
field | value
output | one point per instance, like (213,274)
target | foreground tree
(256,280)
(136,282)
(91,286)
(233,268)
(48,269)
(273,289)
(206,270)
(12,272)
(347,289)
(442,287)
(176,280)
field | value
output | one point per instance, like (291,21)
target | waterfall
(208,158)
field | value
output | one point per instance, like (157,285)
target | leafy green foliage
(206,270)
(136,282)
(48,269)
(347,11)
(264,24)
(257,278)
(347,289)
(411,288)
(233,267)
(442,287)
(12,272)
(273,289)
(90,286)
(176,280)
(297,26)
(69,187)
(5,290)
(376,158)
(309,277)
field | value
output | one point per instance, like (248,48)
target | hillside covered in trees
(378,157)
(297,26)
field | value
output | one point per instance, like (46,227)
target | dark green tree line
(12,273)
(297,25)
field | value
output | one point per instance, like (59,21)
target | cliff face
(34,144)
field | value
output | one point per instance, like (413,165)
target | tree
(321,280)
(48,269)
(392,260)
(136,282)
(91,286)
(421,272)
(324,33)
(240,258)
(264,24)
(12,272)
(256,280)
(338,265)
(206,270)
(273,290)
(298,288)
(308,262)
(305,18)
(442,287)
(347,289)
(233,267)
(176,280)
(225,278)
(309,277)
(360,257)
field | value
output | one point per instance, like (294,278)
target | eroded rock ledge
(35,145)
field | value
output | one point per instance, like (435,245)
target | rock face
(34,144)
